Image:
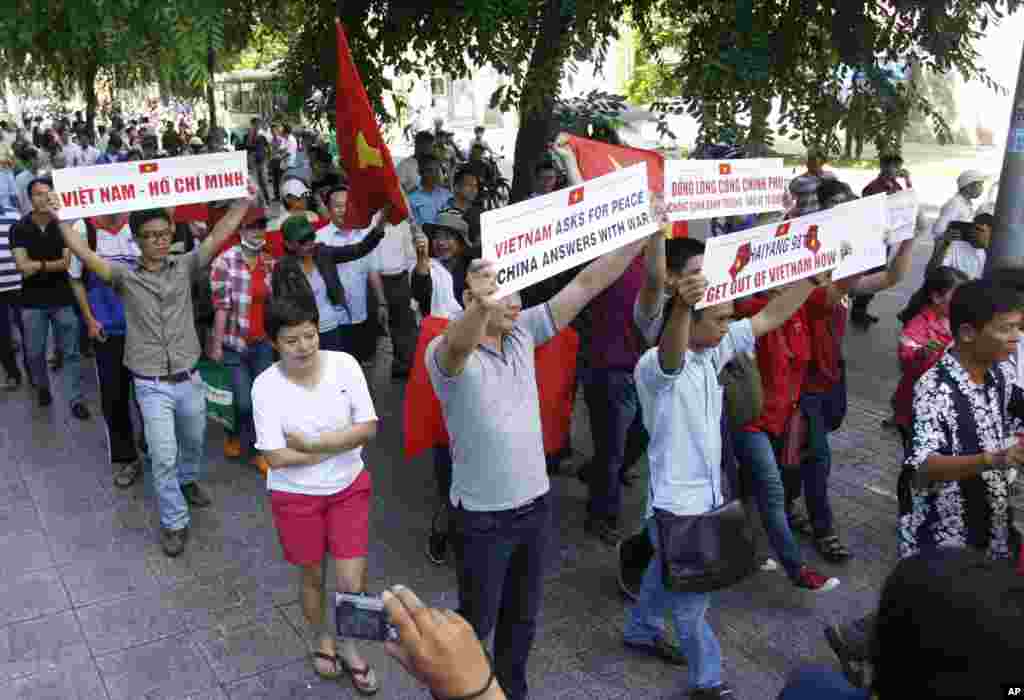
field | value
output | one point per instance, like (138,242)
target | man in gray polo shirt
(161,352)
(482,370)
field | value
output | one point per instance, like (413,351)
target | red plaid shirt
(230,280)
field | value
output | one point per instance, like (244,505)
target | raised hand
(482,284)
(691,288)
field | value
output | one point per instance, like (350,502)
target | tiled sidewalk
(90,608)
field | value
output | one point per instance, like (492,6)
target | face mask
(252,247)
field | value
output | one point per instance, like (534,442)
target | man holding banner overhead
(161,352)
(482,370)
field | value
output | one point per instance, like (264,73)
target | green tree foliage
(530,41)
(69,45)
(736,56)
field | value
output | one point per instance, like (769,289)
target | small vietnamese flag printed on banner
(724,169)
(743,255)
(811,242)
(782,230)
(576,196)
(146,168)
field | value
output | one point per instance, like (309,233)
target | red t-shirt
(782,358)
(259,291)
(827,326)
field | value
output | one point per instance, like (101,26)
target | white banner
(107,189)
(701,189)
(847,239)
(902,209)
(536,239)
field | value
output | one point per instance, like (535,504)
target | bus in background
(247,93)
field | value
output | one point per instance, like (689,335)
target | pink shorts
(308,526)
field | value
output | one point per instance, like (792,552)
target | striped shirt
(10,278)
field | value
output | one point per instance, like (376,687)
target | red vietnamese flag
(555,362)
(373,182)
(597,158)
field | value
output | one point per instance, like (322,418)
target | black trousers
(9,309)
(116,396)
(401,321)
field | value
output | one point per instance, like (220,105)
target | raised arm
(653,288)
(466,332)
(347,253)
(228,224)
(594,279)
(783,306)
(676,338)
(78,246)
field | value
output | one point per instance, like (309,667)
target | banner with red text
(106,189)
(535,239)
(848,239)
(701,189)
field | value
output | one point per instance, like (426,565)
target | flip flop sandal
(364,686)
(332,659)
(832,549)
(800,523)
(126,475)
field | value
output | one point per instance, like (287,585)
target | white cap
(294,187)
(969,177)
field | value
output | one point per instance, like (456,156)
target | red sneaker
(811,580)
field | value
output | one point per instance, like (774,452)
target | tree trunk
(211,95)
(88,87)
(537,101)
(757,137)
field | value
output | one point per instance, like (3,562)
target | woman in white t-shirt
(313,415)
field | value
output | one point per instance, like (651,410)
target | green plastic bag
(220,397)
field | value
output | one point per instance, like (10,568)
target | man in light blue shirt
(681,403)
(358,277)
(8,190)
(428,201)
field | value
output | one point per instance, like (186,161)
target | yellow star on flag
(367,154)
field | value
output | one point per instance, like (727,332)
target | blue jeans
(613,406)
(245,367)
(645,621)
(815,468)
(499,559)
(37,329)
(756,452)
(174,416)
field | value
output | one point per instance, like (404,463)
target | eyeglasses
(157,236)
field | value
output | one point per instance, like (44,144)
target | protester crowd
(733,405)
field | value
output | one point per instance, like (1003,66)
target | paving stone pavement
(92,610)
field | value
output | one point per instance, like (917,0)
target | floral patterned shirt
(954,416)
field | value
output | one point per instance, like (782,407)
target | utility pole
(1007,247)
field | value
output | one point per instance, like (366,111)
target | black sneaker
(603,530)
(195,496)
(719,692)
(80,411)
(437,548)
(45,397)
(173,541)
(634,555)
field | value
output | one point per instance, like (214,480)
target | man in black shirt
(43,260)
